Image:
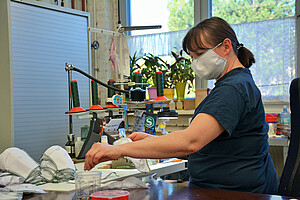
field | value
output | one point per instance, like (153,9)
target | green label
(149,122)
(285,120)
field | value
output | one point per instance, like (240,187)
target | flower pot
(180,90)
(152,92)
(169,93)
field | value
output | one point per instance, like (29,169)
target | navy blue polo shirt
(238,159)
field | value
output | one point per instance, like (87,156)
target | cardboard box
(189,104)
(200,95)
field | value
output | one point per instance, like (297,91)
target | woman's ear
(227,46)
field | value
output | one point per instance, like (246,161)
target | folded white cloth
(140,164)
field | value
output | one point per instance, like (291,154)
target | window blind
(43,40)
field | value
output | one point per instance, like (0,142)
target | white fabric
(60,157)
(56,165)
(140,164)
(47,169)
(131,182)
(27,188)
(11,195)
(17,162)
(209,65)
(10,179)
(124,66)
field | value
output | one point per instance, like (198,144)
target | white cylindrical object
(179,105)
(78,145)
(104,139)
(272,127)
(172,105)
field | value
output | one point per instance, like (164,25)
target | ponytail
(245,56)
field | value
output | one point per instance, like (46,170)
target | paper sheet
(113,125)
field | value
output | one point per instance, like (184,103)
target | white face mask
(60,158)
(209,65)
(18,162)
(56,165)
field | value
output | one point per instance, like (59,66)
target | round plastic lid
(110,194)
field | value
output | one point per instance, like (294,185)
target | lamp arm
(71,67)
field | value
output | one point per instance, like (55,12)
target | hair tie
(240,45)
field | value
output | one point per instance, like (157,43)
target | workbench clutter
(88,186)
(54,166)
(116,110)
(21,174)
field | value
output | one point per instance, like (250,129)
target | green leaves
(150,64)
(181,14)
(237,12)
(233,11)
(180,71)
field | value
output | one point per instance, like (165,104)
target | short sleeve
(226,104)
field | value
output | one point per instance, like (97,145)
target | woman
(227,140)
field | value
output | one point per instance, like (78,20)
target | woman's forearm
(175,144)
(201,131)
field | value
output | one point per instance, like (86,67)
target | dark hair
(214,31)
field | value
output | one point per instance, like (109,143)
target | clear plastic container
(86,183)
(285,122)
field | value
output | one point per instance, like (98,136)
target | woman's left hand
(100,153)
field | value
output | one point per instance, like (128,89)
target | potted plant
(179,74)
(152,64)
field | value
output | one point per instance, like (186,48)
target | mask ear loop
(218,46)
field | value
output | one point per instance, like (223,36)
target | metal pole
(70,101)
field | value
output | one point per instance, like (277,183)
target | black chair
(290,179)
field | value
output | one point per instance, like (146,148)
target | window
(267,28)
(175,16)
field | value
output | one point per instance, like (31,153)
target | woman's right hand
(136,136)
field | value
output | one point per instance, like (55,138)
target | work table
(160,190)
